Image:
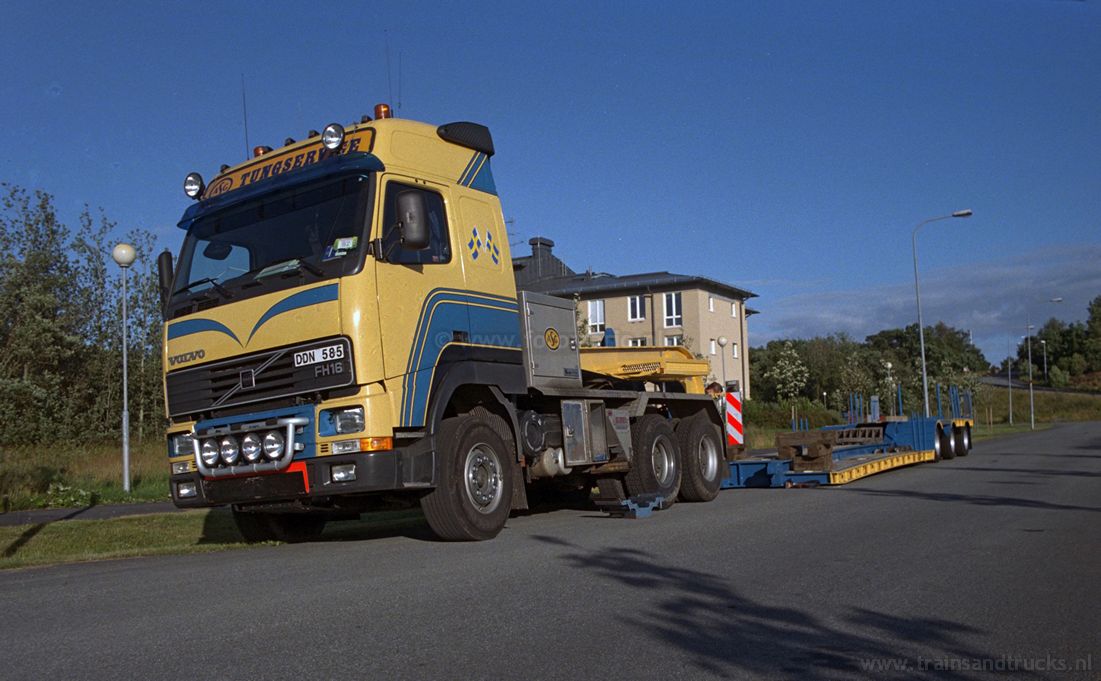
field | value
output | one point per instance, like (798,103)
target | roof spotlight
(193,185)
(288,141)
(333,136)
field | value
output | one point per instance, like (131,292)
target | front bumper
(305,480)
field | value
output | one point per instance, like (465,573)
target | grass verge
(200,531)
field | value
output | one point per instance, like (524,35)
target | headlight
(209,452)
(332,136)
(273,444)
(181,445)
(193,185)
(251,448)
(229,450)
(348,420)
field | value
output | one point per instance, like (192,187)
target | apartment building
(708,317)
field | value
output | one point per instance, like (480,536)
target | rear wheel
(961,440)
(474,495)
(656,468)
(701,451)
(946,442)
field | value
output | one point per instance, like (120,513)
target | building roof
(592,283)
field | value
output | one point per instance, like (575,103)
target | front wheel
(474,496)
(701,447)
(656,468)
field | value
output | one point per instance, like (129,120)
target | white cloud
(991,299)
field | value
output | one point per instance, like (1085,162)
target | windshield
(308,233)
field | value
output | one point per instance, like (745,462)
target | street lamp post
(1043,344)
(917,294)
(722,351)
(1031,401)
(124,255)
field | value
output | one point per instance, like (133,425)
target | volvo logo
(186,357)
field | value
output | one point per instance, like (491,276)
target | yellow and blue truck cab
(342,325)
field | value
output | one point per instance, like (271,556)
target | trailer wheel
(288,527)
(960,441)
(946,443)
(967,437)
(701,447)
(474,496)
(656,468)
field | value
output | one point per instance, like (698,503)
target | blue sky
(785,147)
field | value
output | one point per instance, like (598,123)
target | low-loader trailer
(343,332)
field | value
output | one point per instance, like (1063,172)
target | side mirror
(164,271)
(413,220)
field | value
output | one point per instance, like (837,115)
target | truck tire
(474,495)
(287,527)
(656,468)
(701,448)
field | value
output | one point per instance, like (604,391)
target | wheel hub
(708,459)
(483,478)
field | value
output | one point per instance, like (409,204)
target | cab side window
(439,243)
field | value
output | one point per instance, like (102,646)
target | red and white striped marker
(734,434)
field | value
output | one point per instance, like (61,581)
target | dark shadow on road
(974,499)
(29,534)
(219,528)
(723,632)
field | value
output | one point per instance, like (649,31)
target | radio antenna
(399,79)
(244,113)
(389,71)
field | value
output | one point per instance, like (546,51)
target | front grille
(263,376)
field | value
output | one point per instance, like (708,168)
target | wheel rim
(482,475)
(937,440)
(708,456)
(662,461)
(967,439)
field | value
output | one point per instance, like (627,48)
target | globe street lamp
(917,294)
(124,256)
(722,351)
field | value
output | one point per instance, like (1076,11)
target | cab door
(420,293)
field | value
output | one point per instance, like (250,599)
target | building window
(734,350)
(596,316)
(674,340)
(637,342)
(710,303)
(636,309)
(734,310)
(713,346)
(673,314)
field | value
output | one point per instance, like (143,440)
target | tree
(788,373)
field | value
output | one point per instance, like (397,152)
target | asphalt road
(993,559)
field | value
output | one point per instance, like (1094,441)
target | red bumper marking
(295,467)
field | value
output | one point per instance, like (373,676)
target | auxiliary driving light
(273,444)
(332,136)
(252,448)
(185,490)
(193,185)
(230,450)
(209,452)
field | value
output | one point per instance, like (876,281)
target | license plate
(325,354)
